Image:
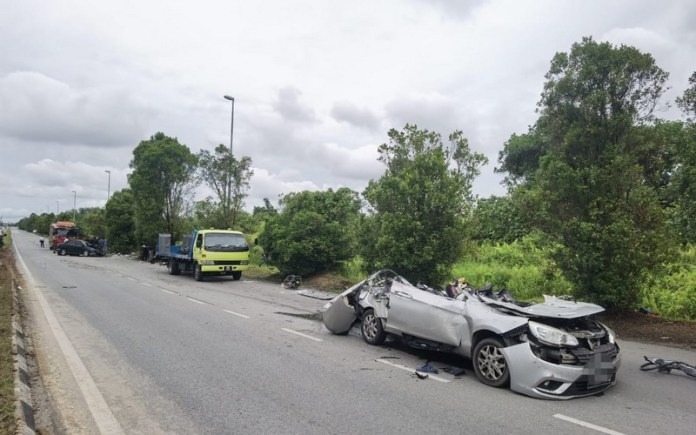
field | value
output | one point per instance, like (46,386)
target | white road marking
(587,425)
(195,300)
(131,278)
(409,369)
(236,314)
(101,413)
(146,284)
(301,334)
(167,291)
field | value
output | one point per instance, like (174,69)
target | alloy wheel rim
(370,328)
(491,363)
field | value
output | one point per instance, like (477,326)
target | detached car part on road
(551,350)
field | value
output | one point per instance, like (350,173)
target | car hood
(552,307)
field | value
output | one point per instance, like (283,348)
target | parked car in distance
(78,247)
(556,349)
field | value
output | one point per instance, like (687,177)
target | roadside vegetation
(7,395)
(600,201)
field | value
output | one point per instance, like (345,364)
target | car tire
(197,272)
(236,275)
(85,253)
(489,363)
(371,328)
(173,267)
(62,252)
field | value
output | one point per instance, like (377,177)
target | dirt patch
(327,283)
(652,329)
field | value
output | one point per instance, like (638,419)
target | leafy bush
(313,233)
(673,294)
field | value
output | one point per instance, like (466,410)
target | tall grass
(524,267)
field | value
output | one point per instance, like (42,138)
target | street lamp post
(108,186)
(74,205)
(227,97)
(229,174)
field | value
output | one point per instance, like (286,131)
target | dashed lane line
(301,334)
(146,284)
(196,301)
(167,291)
(587,425)
(236,314)
(409,369)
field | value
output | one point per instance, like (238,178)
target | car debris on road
(552,350)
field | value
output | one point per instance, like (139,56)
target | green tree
(120,222)
(687,102)
(313,232)
(497,219)
(92,222)
(228,178)
(596,180)
(683,181)
(418,206)
(162,181)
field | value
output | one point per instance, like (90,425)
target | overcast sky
(317,85)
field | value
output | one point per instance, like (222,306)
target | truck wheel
(236,275)
(197,272)
(173,267)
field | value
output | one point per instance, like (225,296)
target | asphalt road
(127,348)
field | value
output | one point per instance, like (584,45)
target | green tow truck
(205,253)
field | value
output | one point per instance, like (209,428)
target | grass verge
(7,395)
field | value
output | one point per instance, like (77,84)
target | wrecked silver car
(552,350)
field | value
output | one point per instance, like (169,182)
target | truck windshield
(225,242)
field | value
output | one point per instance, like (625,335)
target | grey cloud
(38,108)
(435,114)
(350,113)
(289,106)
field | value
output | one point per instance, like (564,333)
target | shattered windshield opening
(225,242)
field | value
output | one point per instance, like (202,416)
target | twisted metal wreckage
(552,350)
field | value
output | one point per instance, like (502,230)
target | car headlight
(611,335)
(552,336)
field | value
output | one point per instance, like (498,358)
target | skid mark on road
(587,425)
(410,370)
(301,334)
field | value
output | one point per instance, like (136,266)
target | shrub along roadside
(524,267)
(7,396)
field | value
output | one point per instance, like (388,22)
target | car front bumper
(532,376)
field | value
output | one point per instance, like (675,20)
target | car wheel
(197,273)
(237,275)
(85,253)
(489,363)
(62,252)
(371,328)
